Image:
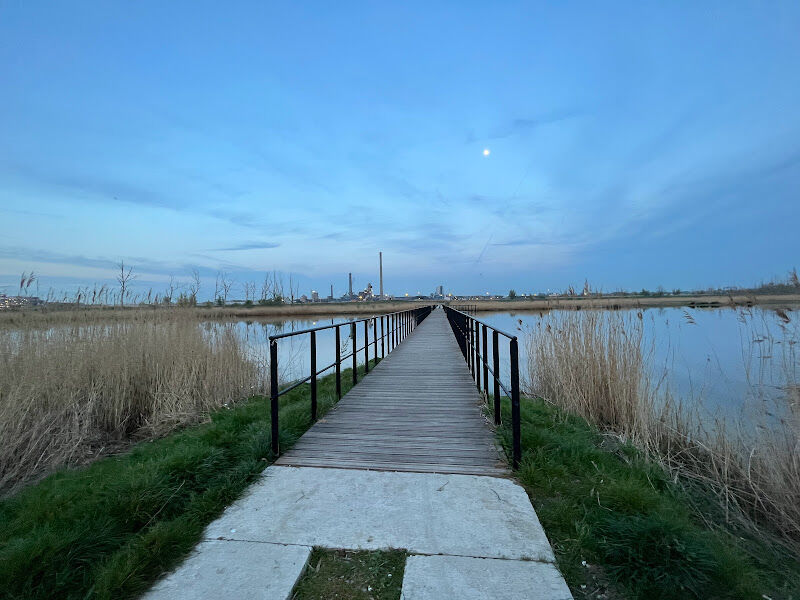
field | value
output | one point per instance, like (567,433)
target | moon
(486,152)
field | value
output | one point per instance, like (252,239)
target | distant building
(367,293)
(314,296)
(8,302)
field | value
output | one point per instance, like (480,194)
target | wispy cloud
(247,246)
(525,125)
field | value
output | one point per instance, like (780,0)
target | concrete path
(470,537)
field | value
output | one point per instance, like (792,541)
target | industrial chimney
(380,262)
(350,287)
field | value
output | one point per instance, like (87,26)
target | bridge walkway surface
(417,411)
(406,460)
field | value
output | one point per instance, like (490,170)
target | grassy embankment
(612,302)
(110,529)
(621,527)
(83,314)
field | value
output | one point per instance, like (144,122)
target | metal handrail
(395,326)
(472,338)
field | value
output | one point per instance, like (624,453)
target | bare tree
(277,286)
(171,287)
(294,288)
(266,288)
(249,291)
(225,282)
(124,278)
(194,286)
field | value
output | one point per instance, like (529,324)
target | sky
(631,144)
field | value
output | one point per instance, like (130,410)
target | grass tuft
(361,575)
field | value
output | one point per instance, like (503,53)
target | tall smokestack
(350,287)
(380,261)
(331,291)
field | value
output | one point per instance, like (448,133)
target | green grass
(352,575)
(620,527)
(110,529)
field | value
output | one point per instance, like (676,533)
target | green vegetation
(621,527)
(110,529)
(352,575)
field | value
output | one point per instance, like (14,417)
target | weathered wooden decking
(417,411)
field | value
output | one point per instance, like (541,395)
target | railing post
(477,355)
(485,364)
(383,347)
(273,395)
(338,364)
(375,338)
(496,368)
(515,416)
(313,376)
(462,332)
(366,347)
(355,353)
(470,353)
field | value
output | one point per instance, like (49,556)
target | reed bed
(70,393)
(599,365)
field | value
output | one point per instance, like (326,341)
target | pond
(721,358)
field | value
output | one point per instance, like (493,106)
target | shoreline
(785,301)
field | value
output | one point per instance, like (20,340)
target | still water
(722,358)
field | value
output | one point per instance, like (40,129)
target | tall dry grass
(599,365)
(69,393)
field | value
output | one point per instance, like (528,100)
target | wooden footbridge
(420,409)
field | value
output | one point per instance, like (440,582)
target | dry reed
(69,393)
(599,365)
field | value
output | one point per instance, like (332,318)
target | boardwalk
(417,469)
(417,411)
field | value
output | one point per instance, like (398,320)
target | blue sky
(634,144)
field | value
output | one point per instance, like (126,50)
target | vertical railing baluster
(477,355)
(355,353)
(383,340)
(471,347)
(366,347)
(485,363)
(313,376)
(375,338)
(515,413)
(496,368)
(273,395)
(338,364)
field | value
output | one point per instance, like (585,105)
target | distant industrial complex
(368,293)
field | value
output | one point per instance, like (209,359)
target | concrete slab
(424,513)
(457,577)
(235,570)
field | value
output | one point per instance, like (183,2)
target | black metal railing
(394,327)
(472,337)
(465,308)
